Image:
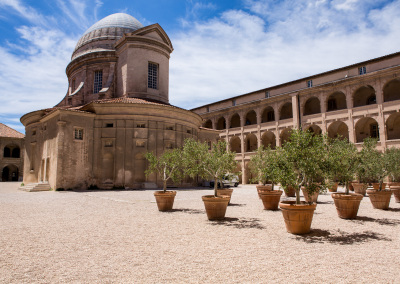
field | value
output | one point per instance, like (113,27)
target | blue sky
(221,48)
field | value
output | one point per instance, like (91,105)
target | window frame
(78,134)
(152,75)
(97,81)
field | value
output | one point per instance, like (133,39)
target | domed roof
(111,27)
(118,20)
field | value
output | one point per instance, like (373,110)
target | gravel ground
(120,237)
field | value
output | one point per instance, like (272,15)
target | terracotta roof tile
(6,131)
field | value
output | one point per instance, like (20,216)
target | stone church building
(11,154)
(115,110)
(354,102)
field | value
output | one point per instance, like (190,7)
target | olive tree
(375,164)
(265,165)
(168,165)
(393,157)
(207,163)
(303,158)
(342,161)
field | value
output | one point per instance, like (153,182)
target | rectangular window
(233,102)
(169,128)
(267,95)
(98,81)
(188,131)
(374,130)
(270,116)
(78,134)
(152,76)
(141,125)
(140,144)
(362,70)
(208,109)
(108,144)
(309,83)
(109,125)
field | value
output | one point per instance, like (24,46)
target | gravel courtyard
(121,237)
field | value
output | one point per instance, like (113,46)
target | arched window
(15,153)
(251,118)
(7,152)
(364,95)
(235,121)
(268,115)
(312,106)
(286,111)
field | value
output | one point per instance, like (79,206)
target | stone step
(42,186)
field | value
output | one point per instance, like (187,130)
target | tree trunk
(298,194)
(215,186)
(347,187)
(165,185)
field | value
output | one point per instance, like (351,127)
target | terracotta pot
(290,191)
(270,199)
(310,198)
(165,200)
(375,185)
(347,205)
(297,218)
(215,206)
(226,192)
(333,188)
(267,187)
(360,188)
(396,192)
(380,199)
(393,184)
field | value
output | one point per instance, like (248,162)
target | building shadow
(242,223)
(340,238)
(384,221)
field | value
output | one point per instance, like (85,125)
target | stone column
(295,111)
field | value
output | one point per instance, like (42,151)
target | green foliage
(265,165)
(215,163)
(168,165)
(342,161)
(22,184)
(304,156)
(375,165)
(393,159)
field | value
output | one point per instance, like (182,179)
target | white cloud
(241,51)
(36,79)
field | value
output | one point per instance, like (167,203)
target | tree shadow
(340,238)
(394,209)
(187,210)
(236,205)
(325,202)
(243,223)
(385,221)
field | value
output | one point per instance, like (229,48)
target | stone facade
(11,155)
(354,102)
(115,110)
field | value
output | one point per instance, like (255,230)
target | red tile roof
(6,131)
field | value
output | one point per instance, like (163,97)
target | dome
(108,30)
